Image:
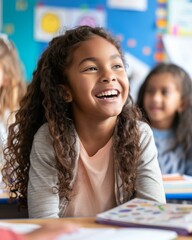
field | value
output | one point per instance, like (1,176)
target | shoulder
(145,130)
(43,133)
(42,139)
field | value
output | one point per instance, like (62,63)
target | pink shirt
(93,191)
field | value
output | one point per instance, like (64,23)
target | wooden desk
(84,222)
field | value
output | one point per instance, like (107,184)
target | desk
(9,208)
(84,222)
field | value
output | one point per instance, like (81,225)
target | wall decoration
(178,50)
(161,28)
(21,5)
(180,17)
(50,21)
(139,5)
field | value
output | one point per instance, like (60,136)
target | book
(150,214)
(177,186)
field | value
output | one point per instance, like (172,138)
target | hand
(50,231)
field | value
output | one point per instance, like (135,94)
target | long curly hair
(45,102)
(182,121)
(13,85)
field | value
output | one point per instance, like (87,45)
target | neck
(94,135)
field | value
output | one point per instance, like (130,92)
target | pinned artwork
(138,5)
(180,17)
(50,21)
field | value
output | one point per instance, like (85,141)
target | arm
(7,234)
(149,183)
(42,202)
(49,231)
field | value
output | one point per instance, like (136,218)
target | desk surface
(84,222)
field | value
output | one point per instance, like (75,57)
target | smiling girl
(78,144)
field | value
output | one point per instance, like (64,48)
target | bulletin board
(135,27)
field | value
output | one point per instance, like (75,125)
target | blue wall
(130,24)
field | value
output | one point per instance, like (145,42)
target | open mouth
(108,94)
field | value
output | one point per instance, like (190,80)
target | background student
(165,98)
(12,87)
(78,146)
(49,231)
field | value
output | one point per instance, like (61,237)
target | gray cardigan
(43,203)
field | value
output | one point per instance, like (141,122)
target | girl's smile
(98,82)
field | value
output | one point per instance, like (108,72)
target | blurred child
(78,146)
(165,98)
(12,84)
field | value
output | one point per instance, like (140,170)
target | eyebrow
(95,59)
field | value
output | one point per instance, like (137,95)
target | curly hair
(45,102)
(182,121)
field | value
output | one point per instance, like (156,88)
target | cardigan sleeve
(43,177)
(149,184)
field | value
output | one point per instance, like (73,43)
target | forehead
(166,80)
(96,47)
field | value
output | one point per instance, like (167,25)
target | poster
(51,21)
(138,5)
(180,17)
(178,50)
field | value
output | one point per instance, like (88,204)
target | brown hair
(182,121)
(45,102)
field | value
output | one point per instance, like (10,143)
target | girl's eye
(165,92)
(117,66)
(90,69)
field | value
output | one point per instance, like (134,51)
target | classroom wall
(131,25)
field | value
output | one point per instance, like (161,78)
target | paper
(100,233)
(179,49)
(180,17)
(139,5)
(51,21)
(120,234)
(19,227)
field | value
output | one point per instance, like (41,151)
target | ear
(65,92)
(182,106)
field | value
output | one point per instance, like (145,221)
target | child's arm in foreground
(47,232)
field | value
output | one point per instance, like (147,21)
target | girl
(78,146)
(12,88)
(166,101)
(12,84)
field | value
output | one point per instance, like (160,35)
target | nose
(156,97)
(108,76)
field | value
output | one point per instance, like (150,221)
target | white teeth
(107,93)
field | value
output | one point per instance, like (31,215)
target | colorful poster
(180,17)
(50,21)
(138,5)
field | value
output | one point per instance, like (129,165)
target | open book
(150,214)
